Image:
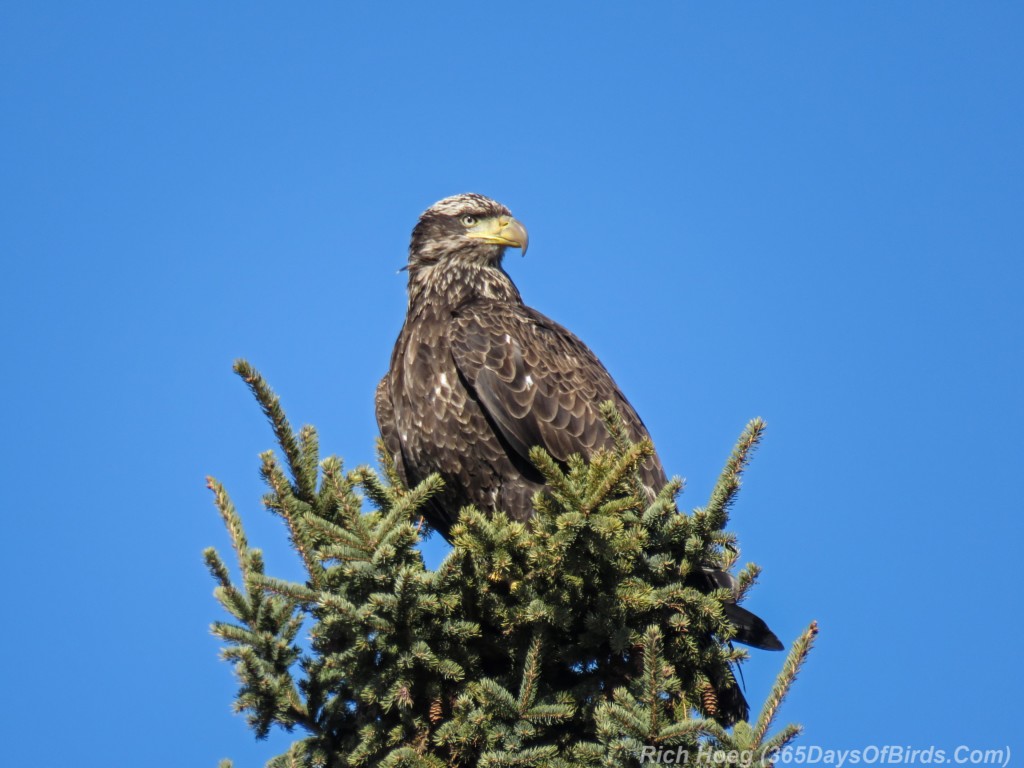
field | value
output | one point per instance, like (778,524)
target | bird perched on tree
(477,378)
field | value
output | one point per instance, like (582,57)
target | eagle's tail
(731,705)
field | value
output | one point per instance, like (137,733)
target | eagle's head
(467,230)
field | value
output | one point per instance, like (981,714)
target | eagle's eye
(468,220)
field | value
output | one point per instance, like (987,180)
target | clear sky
(809,212)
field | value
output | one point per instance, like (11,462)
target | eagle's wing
(537,382)
(389,429)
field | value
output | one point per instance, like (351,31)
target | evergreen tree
(572,641)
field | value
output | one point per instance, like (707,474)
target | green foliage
(576,640)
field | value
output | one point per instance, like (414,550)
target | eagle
(477,378)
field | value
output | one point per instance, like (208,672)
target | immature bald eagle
(477,378)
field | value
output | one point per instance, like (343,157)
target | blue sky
(806,211)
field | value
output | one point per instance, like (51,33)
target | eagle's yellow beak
(503,230)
